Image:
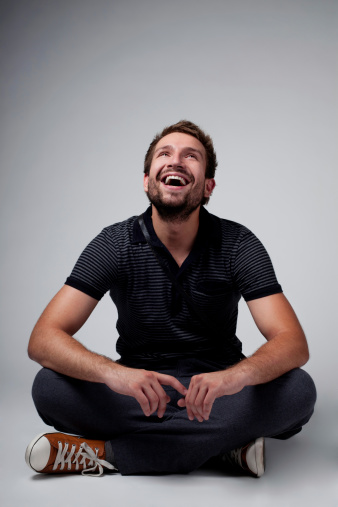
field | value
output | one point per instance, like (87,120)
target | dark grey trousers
(173,444)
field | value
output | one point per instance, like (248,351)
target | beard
(173,209)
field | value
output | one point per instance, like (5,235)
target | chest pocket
(217,299)
(214,287)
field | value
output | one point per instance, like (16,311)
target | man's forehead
(180,140)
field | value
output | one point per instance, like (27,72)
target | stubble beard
(172,211)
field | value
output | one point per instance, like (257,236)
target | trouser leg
(84,408)
(173,444)
(178,445)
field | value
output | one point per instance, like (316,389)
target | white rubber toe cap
(37,453)
(255,457)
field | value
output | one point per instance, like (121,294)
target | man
(182,393)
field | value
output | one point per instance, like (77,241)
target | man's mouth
(174,180)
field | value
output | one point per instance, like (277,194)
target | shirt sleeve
(97,267)
(253,270)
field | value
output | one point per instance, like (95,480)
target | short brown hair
(185,127)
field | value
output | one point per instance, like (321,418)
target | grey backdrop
(85,86)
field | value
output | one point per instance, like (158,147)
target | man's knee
(42,390)
(302,390)
(299,403)
(41,386)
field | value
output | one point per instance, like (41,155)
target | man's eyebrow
(166,147)
(187,148)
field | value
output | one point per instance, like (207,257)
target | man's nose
(175,160)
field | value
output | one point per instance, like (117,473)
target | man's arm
(52,345)
(286,348)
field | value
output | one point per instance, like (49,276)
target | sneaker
(61,453)
(250,458)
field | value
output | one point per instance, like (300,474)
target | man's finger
(191,397)
(208,404)
(192,409)
(144,403)
(168,380)
(199,400)
(181,402)
(152,397)
(162,399)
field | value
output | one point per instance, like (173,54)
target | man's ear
(145,182)
(210,184)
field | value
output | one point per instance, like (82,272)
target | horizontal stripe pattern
(153,320)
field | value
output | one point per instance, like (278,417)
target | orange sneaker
(61,453)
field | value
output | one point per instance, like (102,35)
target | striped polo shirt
(154,322)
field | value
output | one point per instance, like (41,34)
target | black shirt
(227,261)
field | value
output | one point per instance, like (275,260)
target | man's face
(176,183)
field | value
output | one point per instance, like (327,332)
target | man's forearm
(280,354)
(277,356)
(57,350)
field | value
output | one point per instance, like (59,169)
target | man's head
(185,127)
(190,153)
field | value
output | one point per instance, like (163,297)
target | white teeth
(168,178)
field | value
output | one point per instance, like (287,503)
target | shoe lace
(236,455)
(233,457)
(85,452)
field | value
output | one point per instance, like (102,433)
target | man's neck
(177,236)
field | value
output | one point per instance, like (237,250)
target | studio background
(85,86)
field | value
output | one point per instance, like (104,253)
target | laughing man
(182,393)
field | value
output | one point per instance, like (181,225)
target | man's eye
(191,155)
(163,154)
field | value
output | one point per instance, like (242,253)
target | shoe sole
(29,450)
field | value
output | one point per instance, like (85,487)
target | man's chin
(173,211)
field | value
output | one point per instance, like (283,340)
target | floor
(301,471)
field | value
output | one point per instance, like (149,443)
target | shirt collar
(209,231)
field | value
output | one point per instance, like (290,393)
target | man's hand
(205,388)
(145,386)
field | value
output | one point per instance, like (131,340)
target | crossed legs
(173,444)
